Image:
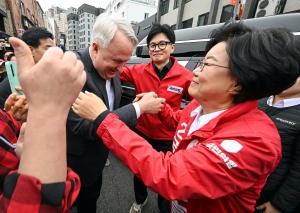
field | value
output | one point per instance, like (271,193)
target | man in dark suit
(113,41)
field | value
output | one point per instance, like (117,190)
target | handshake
(89,106)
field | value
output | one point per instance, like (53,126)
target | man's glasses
(161,45)
(201,64)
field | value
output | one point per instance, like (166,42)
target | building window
(187,23)
(186,1)
(176,4)
(173,27)
(164,7)
(28,13)
(202,19)
(227,12)
(146,15)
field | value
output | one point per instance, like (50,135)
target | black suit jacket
(86,153)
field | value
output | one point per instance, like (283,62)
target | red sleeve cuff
(29,194)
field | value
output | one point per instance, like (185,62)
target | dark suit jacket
(5,91)
(86,153)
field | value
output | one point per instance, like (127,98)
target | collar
(167,67)
(283,103)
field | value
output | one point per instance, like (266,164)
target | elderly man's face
(214,83)
(108,61)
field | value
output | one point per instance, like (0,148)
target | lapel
(94,82)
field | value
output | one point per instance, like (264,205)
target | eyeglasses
(161,45)
(201,64)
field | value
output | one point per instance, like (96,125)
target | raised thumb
(23,54)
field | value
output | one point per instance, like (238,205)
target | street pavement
(117,193)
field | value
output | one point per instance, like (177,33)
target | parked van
(191,43)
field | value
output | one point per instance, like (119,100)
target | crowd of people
(224,152)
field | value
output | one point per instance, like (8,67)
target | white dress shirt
(283,103)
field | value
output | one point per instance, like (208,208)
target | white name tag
(175,89)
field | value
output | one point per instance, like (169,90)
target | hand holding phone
(12,74)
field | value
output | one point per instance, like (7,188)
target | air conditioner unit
(266,8)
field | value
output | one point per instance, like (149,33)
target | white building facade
(191,13)
(48,25)
(87,15)
(134,11)
(61,21)
(71,10)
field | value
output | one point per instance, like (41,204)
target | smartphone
(12,74)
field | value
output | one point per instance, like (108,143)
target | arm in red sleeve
(29,194)
(9,130)
(191,173)
(126,74)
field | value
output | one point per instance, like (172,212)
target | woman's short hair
(106,26)
(265,61)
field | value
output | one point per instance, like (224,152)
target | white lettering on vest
(179,136)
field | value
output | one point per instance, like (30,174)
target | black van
(191,43)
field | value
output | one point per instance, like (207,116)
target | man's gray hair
(106,26)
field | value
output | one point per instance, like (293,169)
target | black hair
(265,62)
(8,50)
(165,29)
(10,56)
(33,35)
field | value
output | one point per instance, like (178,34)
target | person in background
(42,182)
(7,53)
(3,73)
(282,190)
(168,79)
(224,148)
(11,57)
(39,40)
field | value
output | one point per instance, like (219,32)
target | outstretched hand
(88,106)
(150,103)
(17,106)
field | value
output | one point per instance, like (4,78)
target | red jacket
(223,172)
(172,87)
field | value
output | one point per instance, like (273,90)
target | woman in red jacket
(224,147)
